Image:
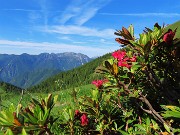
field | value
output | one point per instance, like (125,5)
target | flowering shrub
(142,77)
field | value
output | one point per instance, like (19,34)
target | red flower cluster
(123,60)
(168,37)
(84,120)
(82,116)
(99,83)
(77,113)
(119,55)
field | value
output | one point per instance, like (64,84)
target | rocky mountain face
(27,70)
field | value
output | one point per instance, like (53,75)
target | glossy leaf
(24,132)
(131,30)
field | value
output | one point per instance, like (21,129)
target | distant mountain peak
(26,70)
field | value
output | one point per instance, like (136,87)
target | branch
(147,111)
(146,101)
(152,111)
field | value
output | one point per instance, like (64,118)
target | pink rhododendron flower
(123,59)
(168,37)
(84,120)
(124,64)
(99,83)
(119,54)
(133,59)
(77,112)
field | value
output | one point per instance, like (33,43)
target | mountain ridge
(26,70)
(81,75)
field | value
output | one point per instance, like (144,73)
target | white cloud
(19,9)
(81,30)
(85,16)
(102,40)
(39,47)
(65,38)
(80,11)
(143,14)
(79,42)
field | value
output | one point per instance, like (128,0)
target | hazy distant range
(27,70)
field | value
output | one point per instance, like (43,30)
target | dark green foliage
(76,77)
(6,87)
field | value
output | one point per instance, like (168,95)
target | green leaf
(40,115)
(148,122)
(107,97)
(173,108)
(9,132)
(24,132)
(131,30)
(66,116)
(71,113)
(49,101)
(115,68)
(4,122)
(18,109)
(135,43)
(124,76)
(55,98)
(139,132)
(123,132)
(30,118)
(140,127)
(168,114)
(171,111)
(95,94)
(135,67)
(108,65)
(45,117)
(144,39)
(155,125)
(167,127)
(7,115)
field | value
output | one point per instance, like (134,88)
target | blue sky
(81,26)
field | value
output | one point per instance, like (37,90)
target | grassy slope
(65,97)
(173,27)
(8,94)
(7,87)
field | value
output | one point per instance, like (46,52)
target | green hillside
(73,78)
(8,92)
(6,87)
(173,27)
